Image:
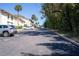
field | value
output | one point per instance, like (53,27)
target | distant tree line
(61,16)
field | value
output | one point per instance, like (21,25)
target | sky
(27,9)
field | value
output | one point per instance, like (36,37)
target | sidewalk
(69,39)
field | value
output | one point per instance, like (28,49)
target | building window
(8,16)
(9,23)
(12,17)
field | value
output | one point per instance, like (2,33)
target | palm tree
(18,8)
(34,19)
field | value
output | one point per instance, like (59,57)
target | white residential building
(26,21)
(7,18)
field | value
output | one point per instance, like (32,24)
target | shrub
(18,27)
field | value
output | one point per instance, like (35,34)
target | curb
(19,30)
(72,41)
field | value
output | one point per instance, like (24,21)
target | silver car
(7,30)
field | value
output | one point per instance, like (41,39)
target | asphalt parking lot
(36,43)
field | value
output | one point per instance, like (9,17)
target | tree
(70,17)
(34,18)
(60,16)
(18,8)
(52,13)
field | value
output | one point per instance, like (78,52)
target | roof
(20,16)
(15,16)
(7,13)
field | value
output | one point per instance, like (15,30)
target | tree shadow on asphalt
(36,33)
(61,49)
(58,49)
(45,34)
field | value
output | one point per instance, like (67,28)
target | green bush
(18,27)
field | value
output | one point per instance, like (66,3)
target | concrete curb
(72,41)
(19,30)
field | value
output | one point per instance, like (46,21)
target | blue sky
(27,11)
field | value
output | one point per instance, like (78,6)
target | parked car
(7,30)
(14,27)
(28,28)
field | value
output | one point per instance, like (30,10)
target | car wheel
(5,34)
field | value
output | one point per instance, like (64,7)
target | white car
(27,28)
(7,30)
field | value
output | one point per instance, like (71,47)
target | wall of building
(27,22)
(9,19)
(3,19)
